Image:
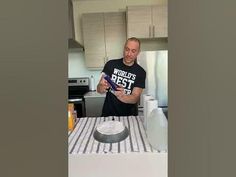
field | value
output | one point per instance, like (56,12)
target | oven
(77,87)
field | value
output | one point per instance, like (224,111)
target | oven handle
(75,100)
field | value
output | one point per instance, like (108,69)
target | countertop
(117,165)
(93,94)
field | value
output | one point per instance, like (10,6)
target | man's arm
(132,99)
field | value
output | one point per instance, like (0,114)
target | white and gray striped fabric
(81,139)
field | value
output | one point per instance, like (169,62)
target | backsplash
(77,68)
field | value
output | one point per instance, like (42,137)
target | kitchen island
(132,157)
(118,165)
(81,140)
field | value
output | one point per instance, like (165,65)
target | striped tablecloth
(81,139)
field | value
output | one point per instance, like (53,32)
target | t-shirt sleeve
(140,80)
(107,68)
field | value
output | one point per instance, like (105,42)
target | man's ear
(139,51)
(138,54)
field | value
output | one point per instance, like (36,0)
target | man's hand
(120,92)
(133,98)
(102,86)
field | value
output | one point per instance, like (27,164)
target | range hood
(72,43)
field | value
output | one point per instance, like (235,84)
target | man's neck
(128,64)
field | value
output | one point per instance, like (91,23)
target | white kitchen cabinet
(104,36)
(160,20)
(93,34)
(115,34)
(147,21)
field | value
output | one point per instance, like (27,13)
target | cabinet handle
(153,28)
(150,31)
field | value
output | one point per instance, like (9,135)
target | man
(129,76)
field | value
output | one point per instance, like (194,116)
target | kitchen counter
(81,139)
(94,94)
(117,165)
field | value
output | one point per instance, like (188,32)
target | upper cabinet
(147,21)
(94,44)
(160,21)
(115,34)
(104,35)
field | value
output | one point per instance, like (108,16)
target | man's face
(131,51)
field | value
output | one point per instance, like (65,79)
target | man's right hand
(102,86)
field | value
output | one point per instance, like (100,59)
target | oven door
(79,106)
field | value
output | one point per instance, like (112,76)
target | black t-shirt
(127,76)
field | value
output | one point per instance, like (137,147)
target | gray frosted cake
(111,132)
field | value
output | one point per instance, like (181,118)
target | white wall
(77,68)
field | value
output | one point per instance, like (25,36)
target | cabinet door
(94,106)
(160,20)
(115,34)
(139,20)
(94,44)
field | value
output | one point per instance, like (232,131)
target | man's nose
(129,53)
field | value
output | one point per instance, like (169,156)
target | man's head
(131,51)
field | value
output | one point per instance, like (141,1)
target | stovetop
(81,81)
(77,87)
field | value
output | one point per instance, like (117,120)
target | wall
(202,88)
(33,88)
(77,68)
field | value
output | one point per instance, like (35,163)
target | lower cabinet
(93,106)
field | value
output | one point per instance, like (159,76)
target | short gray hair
(134,39)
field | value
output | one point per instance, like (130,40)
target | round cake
(111,132)
(110,127)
